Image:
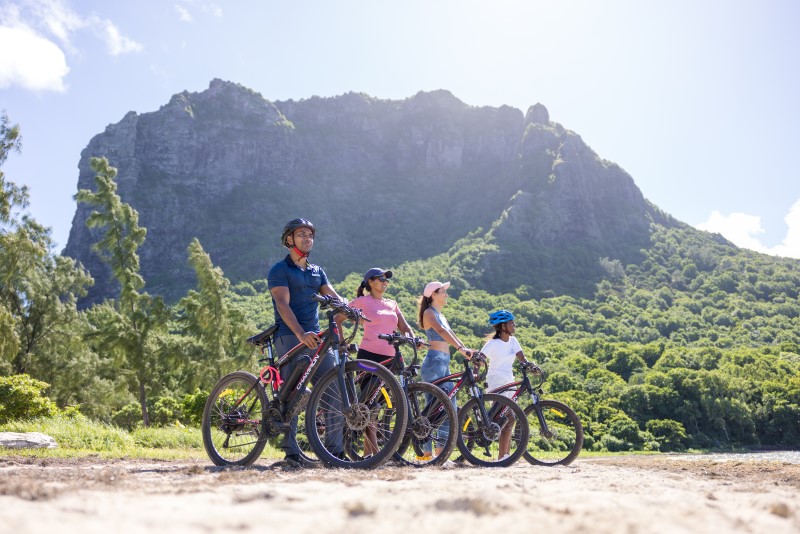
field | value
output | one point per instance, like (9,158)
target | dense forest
(696,344)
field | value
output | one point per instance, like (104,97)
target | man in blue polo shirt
(292,281)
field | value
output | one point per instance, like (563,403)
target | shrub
(165,411)
(670,434)
(128,417)
(613,444)
(192,407)
(21,398)
(624,428)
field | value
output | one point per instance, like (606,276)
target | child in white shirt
(502,350)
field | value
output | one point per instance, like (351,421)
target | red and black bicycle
(244,411)
(556,432)
(492,429)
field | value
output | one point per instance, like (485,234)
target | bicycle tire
(423,429)
(474,436)
(223,416)
(565,439)
(388,419)
(303,443)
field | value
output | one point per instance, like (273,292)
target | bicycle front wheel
(562,440)
(367,433)
(431,432)
(481,441)
(233,433)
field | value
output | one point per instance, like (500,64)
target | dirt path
(628,494)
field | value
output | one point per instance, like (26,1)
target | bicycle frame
(467,377)
(270,374)
(523,386)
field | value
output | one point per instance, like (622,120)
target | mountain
(385,181)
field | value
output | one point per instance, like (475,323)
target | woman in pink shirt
(384,318)
(384,315)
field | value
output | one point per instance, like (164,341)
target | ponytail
(361,289)
(424,304)
(497,329)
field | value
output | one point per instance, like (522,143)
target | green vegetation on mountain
(678,339)
(698,345)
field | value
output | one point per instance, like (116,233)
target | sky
(698,100)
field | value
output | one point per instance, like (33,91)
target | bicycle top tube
(505,387)
(294,351)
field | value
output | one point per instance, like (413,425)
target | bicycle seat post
(270,354)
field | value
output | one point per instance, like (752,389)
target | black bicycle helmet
(500,317)
(293,225)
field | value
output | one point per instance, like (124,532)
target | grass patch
(76,432)
(168,438)
(79,437)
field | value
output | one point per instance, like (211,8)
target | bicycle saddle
(264,337)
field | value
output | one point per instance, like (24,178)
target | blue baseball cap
(375,271)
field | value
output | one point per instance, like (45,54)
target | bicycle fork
(540,416)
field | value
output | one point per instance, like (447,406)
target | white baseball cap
(433,286)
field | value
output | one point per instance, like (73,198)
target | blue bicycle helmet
(500,317)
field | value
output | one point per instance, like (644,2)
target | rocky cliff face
(384,181)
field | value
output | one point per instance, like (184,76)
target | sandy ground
(619,495)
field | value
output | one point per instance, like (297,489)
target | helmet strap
(299,252)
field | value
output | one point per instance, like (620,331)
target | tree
(133,327)
(216,328)
(39,319)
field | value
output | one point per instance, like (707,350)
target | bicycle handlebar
(477,357)
(397,339)
(532,367)
(337,306)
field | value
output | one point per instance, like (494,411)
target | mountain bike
(428,440)
(556,432)
(241,414)
(482,419)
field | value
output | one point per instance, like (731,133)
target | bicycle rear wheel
(431,432)
(479,441)
(377,414)
(561,443)
(232,430)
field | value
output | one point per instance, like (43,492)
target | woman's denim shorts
(436,365)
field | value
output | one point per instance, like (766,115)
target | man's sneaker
(295,460)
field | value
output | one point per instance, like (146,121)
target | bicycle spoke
(497,441)
(374,421)
(561,443)
(232,429)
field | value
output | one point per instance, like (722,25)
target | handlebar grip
(386,337)
(478,357)
(322,299)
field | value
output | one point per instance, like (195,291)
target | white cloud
(31,29)
(183,13)
(214,9)
(742,230)
(186,16)
(56,18)
(116,43)
(36,63)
